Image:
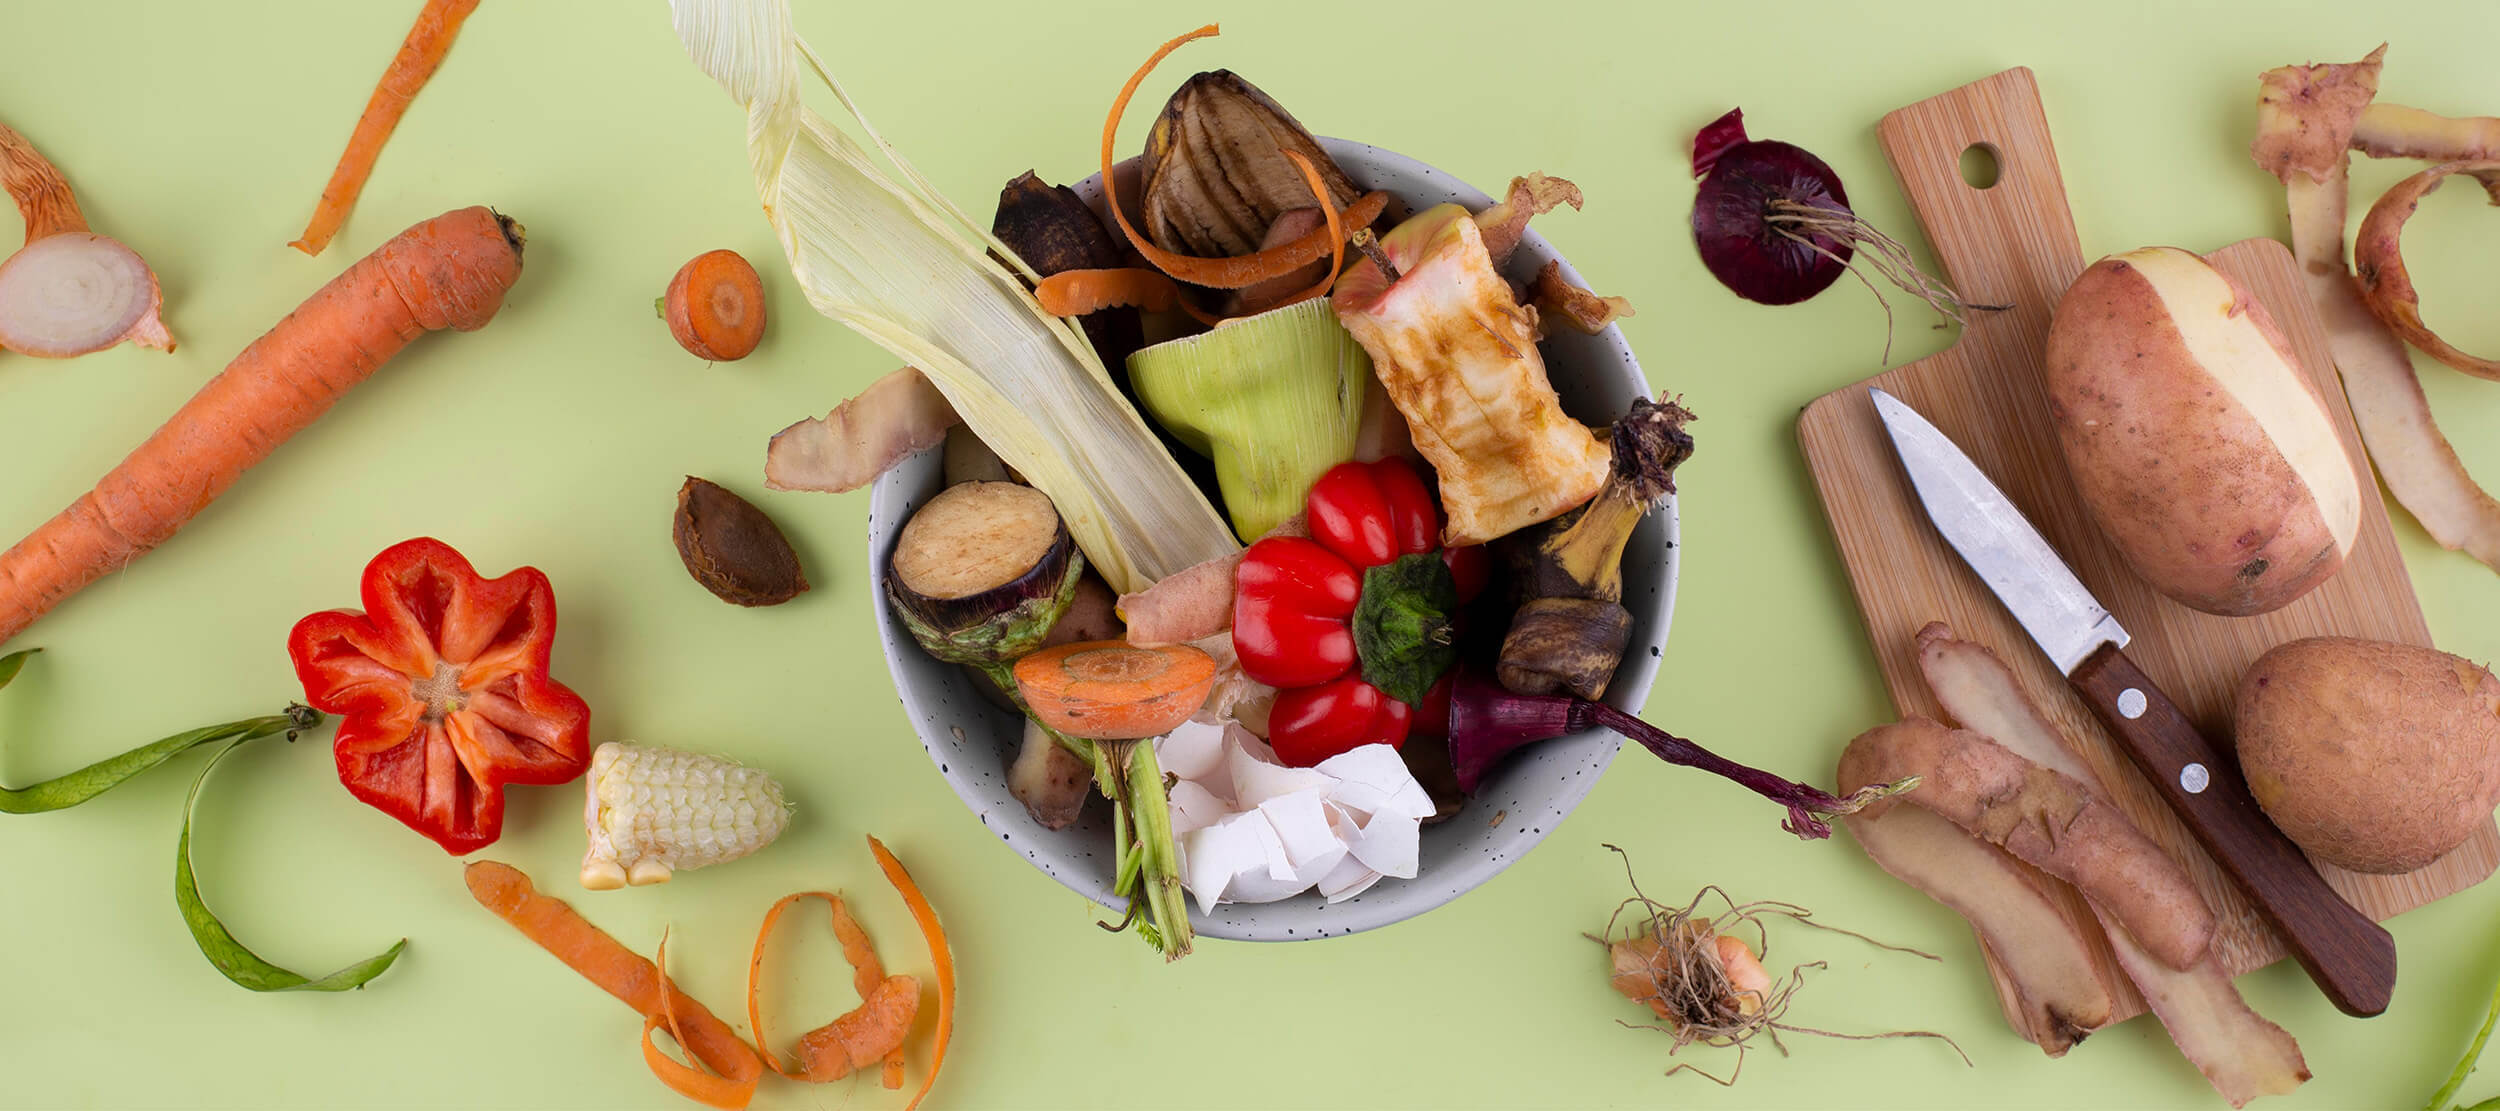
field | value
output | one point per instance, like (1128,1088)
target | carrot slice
(607,963)
(1218,273)
(715,306)
(727,1093)
(940,955)
(423,50)
(1111,690)
(1077,292)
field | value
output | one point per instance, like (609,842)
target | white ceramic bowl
(971,741)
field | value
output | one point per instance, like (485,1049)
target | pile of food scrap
(1229,340)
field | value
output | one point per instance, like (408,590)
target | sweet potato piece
(2037,946)
(2049,820)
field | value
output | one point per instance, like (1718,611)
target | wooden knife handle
(2351,957)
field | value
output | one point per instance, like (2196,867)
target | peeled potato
(2203,451)
(2372,756)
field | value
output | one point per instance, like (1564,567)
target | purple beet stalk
(1488,723)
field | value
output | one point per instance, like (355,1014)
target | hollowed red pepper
(1352,626)
(442,691)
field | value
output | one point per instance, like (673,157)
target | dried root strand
(1816,225)
(1666,957)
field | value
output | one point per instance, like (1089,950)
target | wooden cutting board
(2014,243)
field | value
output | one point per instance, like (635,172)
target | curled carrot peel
(607,963)
(1336,230)
(940,955)
(730,1093)
(1219,273)
(423,50)
(875,1029)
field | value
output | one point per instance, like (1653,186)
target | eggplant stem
(1807,805)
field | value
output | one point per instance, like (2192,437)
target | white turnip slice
(68,291)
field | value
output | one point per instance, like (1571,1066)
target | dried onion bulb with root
(68,291)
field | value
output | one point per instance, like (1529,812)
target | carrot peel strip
(1215,273)
(1078,292)
(728,1093)
(875,1029)
(423,50)
(755,968)
(940,955)
(1336,230)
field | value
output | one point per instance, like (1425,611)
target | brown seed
(733,549)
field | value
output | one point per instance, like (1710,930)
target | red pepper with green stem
(1353,626)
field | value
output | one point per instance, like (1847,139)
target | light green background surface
(200,134)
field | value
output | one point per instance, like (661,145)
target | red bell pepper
(442,691)
(1352,626)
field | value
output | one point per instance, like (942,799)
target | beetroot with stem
(1488,723)
(1774,225)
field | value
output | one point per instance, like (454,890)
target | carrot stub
(418,56)
(1220,273)
(941,956)
(620,972)
(1111,690)
(715,306)
(449,272)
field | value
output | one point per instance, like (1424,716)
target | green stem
(1151,809)
(2465,1067)
(69,790)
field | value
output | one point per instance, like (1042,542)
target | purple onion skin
(1488,723)
(1740,246)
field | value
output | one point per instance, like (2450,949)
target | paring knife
(2351,957)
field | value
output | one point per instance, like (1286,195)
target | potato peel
(2301,110)
(2241,1053)
(2050,821)
(2379,264)
(2396,131)
(2037,947)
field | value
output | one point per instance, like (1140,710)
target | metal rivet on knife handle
(2131,703)
(2193,778)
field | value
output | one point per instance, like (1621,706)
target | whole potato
(2372,756)
(2204,452)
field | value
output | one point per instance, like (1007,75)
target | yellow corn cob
(651,811)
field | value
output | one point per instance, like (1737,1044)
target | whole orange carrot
(449,272)
(418,55)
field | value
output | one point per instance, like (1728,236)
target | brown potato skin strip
(2396,131)
(2241,1053)
(2041,951)
(2049,820)
(2386,283)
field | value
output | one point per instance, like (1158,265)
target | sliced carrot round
(1111,690)
(715,306)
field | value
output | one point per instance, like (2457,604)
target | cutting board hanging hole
(1979,165)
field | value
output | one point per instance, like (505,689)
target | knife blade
(2352,959)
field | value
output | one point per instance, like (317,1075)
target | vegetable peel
(2305,122)
(940,955)
(2387,284)
(427,42)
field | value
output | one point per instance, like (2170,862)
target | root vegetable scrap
(1705,984)
(68,291)
(1774,225)
(449,272)
(418,55)
(715,307)
(869,1033)
(941,955)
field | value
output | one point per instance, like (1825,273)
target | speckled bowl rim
(1536,789)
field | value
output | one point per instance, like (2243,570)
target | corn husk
(888,255)
(1273,399)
